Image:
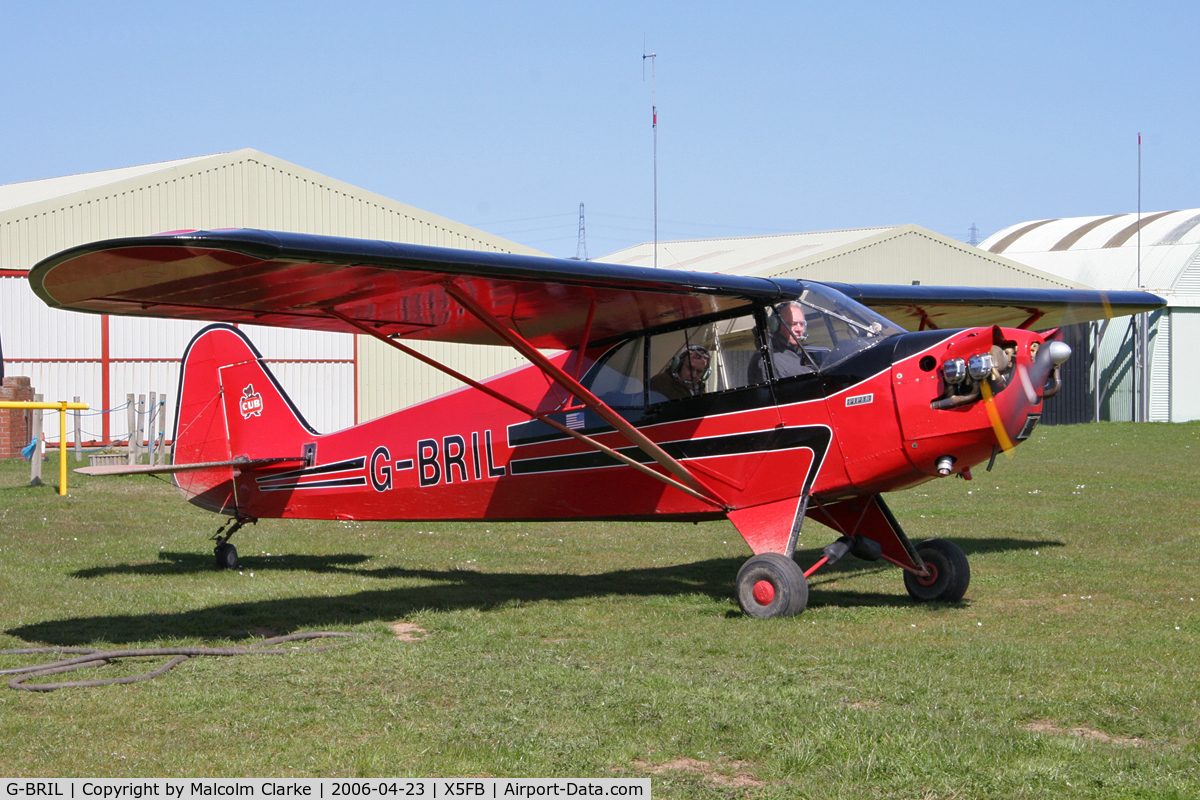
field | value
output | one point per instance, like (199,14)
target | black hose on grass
(95,658)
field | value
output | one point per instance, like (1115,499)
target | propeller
(1049,357)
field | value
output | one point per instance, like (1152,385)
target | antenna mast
(654,123)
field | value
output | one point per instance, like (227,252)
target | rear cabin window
(690,362)
(709,358)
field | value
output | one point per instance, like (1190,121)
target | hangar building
(892,254)
(102,359)
(1106,252)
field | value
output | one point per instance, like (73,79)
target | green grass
(608,649)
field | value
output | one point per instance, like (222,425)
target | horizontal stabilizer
(167,469)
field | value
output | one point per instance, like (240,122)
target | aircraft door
(701,388)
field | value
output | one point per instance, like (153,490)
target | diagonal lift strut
(667,479)
(643,442)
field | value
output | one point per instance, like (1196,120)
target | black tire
(226,556)
(782,588)
(950,573)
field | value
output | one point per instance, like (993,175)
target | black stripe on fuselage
(314,485)
(814,437)
(337,466)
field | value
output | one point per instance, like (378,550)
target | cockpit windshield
(830,326)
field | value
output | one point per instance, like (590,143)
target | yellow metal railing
(62,406)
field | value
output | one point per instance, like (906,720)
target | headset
(774,323)
(677,361)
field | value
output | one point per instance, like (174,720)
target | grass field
(1071,669)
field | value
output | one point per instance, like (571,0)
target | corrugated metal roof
(1088,233)
(1003,244)
(239,189)
(741,255)
(888,254)
(1102,251)
(13,195)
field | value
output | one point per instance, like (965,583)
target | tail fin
(230,407)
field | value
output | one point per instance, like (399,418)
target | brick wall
(16,426)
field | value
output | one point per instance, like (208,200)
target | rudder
(230,406)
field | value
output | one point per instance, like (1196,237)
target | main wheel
(771,585)
(949,573)
(226,556)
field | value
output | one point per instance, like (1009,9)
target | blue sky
(773,117)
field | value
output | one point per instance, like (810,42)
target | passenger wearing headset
(787,356)
(684,374)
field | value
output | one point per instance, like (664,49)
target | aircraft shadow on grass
(448,589)
(190,563)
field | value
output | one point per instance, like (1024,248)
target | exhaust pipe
(1045,373)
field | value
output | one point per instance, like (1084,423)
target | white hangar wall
(1185,379)
(333,379)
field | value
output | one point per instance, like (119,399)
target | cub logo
(250,403)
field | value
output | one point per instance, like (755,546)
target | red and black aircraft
(673,395)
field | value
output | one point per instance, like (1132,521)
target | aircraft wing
(941,307)
(291,280)
(406,290)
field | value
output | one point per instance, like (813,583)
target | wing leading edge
(926,307)
(406,290)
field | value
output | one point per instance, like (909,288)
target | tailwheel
(948,576)
(225,552)
(771,585)
(226,556)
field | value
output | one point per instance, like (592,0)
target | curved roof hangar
(1102,251)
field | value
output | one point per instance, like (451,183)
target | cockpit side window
(620,379)
(792,327)
(834,328)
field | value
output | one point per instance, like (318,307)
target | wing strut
(590,400)
(1034,316)
(667,479)
(583,341)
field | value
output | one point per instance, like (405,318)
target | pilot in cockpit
(787,356)
(684,375)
